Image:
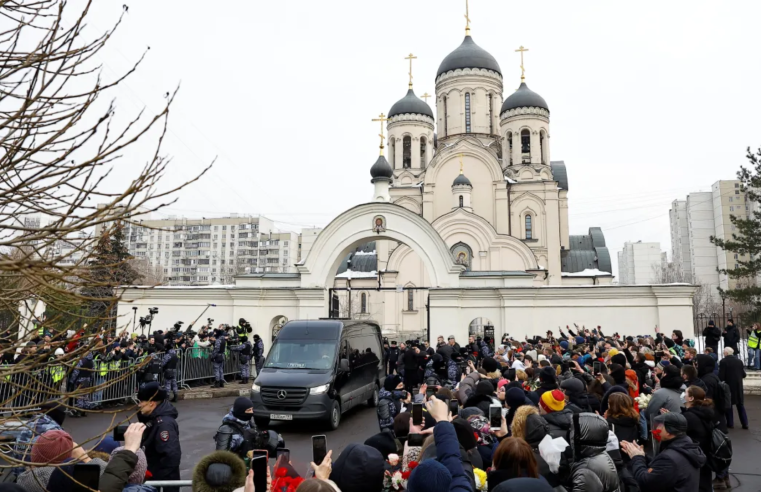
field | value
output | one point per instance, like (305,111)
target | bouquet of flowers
(480,479)
(643,400)
(398,480)
(285,483)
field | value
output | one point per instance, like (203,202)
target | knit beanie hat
(515,397)
(490,365)
(106,445)
(392,382)
(429,476)
(501,383)
(573,386)
(612,352)
(618,373)
(470,411)
(564,345)
(580,340)
(53,447)
(619,359)
(547,375)
(465,434)
(383,442)
(138,474)
(485,388)
(552,401)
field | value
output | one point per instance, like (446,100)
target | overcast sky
(649,100)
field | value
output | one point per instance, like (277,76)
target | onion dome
(524,98)
(410,104)
(468,55)
(381,169)
(461,180)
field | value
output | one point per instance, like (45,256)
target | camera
(153,310)
(178,325)
(210,320)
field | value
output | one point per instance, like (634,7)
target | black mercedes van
(318,370)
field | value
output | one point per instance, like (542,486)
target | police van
(318,370)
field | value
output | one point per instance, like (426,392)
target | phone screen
(415,440)
(495,416)
(454,407)
(119,431)
(261,452)
(319,449)
(88,475)
(596,367)
(417,414)
(259,466)
(284,454)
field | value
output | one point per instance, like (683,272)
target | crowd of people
(574,411)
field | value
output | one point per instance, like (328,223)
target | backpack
(720,455)
(726,394)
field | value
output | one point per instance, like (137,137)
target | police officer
(243,329)
(258,353)
(238,430)
(152,368)
(169,366)
(245,350)
(392,358)
(81,380)
(161,439)
(218,359)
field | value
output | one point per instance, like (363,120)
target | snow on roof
(509,180)
(589,272)
(360,253)
(355,275)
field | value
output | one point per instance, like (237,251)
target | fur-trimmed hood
(220,471)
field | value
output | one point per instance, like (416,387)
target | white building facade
(638,263)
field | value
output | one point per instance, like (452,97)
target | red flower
(406,475)
(412,465)
(281,472)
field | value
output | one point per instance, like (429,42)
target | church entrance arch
(375,221)
(276,325)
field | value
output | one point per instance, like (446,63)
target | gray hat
(675,423)
(451,337)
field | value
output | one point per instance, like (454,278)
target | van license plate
(279,416)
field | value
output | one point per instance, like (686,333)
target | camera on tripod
(210,322)
(178,325)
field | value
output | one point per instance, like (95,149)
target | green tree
(746,243)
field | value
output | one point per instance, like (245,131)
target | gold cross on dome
(467,19)
(382,118)
(426,96)
(523,71)
(410,58)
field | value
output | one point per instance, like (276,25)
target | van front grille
(284,397)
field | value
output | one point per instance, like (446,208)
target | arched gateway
(373,221)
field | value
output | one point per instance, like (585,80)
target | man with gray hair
(732,372)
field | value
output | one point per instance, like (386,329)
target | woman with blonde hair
(519,420)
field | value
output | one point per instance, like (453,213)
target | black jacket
(731,337)
(625,429)
(161,441)
(560,423)
(675,468)
(732,372)
(392,355)
(410,360)
(712,334)
(700,424)
(234,435)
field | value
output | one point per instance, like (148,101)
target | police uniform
(161,439)
(258,353)
(245,350)
(169,365)
(81,379)
(218,360)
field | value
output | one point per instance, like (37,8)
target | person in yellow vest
(754,349)
(57,370)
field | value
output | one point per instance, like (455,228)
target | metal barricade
(196,365)
(114,381)
(160,484)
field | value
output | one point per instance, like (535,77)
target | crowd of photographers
(578,411)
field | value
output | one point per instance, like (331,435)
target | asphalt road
(199,420)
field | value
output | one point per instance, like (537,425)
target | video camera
(147,320)
(178,325)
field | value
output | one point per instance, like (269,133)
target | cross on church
(523,71)
(410,58)
(382,118)
(467,19)
(426,96)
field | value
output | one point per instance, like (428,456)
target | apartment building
(213,251)
(638,263)
(707,214)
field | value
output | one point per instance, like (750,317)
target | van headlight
(256,388)
(319,390)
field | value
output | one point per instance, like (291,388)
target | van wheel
(334,417)
(373,401)
(261,422)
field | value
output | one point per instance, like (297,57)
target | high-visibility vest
(115,365)
(100,367)
(753,340)
(57,372)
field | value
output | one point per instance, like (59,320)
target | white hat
(542,357)
(58,351)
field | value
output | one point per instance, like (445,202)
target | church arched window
(363,303)
(446,126)
(467,112)
(392,152)
(407,152)
(542,149)
(525,142)
(529,227)
(491,118)
(509,148)
(410,300)
(460,201)
(423,150)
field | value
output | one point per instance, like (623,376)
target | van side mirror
(344,365)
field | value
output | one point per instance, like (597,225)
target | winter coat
(560,423)
(542,389)
(448,454)
(706,365)
(393,399)
(161,442)
(465,458)
(697,382)
(642,371)
(669,396)
(227,469)
(732,372)
(231,435)
(482,402)
(115,478)
(625,429)
(675,468)
(593,469)
(536,429)
(700,424)
(712,334)
(467,387)
(731,337)
(36,479)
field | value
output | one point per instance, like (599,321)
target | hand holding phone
(319,448)
(495,416)
(259,467)
(417,414)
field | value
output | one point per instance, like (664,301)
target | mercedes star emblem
(281,395)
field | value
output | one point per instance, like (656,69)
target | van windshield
(301,354)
